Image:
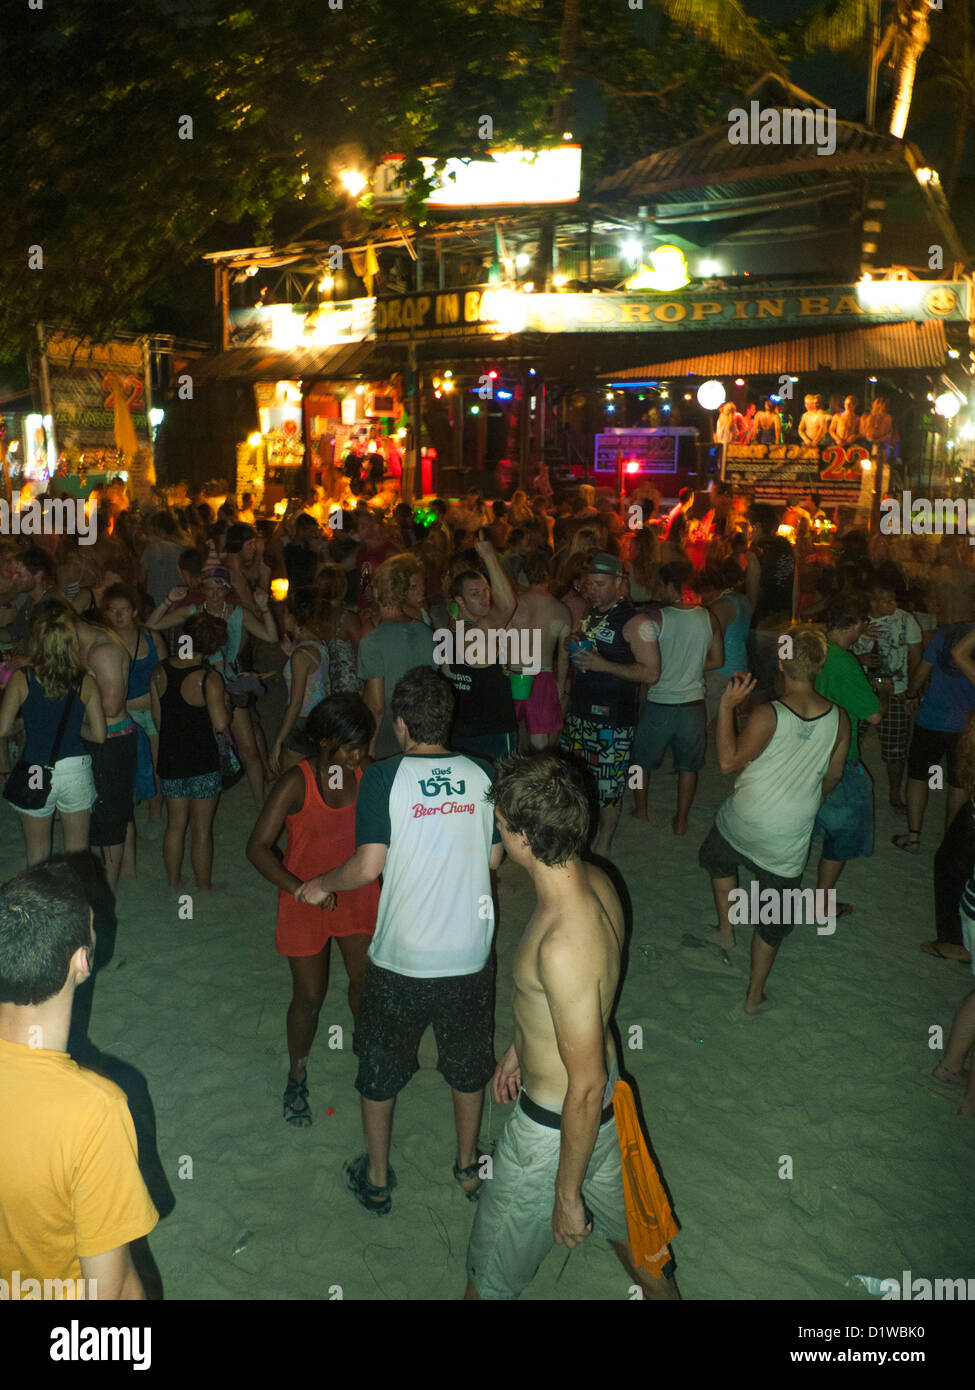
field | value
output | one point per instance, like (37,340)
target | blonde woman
(400,642)
(519,511)
(59,704)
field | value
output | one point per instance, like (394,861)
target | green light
(475,410)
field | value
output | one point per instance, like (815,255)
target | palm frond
(725,24)
(838,24)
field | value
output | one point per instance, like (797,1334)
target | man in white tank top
(789,757)
(674,715)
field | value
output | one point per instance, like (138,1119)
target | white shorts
(968,934)
(72,789)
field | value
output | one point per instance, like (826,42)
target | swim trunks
(542,711)
(606,750)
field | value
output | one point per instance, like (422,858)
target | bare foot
(948,1074)
(679,826)
(713,937)
(639,815)
(761,1007)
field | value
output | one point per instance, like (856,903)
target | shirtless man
(484,720)
(557,1171)
(543,624)
(844,428)
(113,763)
(814,423)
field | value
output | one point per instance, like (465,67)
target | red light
(493,374)
(633,466)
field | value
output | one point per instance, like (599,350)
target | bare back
(590,927)
(542,613)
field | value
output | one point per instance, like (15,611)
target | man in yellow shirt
(71,1195)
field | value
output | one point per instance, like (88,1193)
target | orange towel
(650,1222)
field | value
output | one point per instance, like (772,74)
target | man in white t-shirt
(890,650)
(422,821)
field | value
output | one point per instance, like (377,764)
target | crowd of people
(457,681)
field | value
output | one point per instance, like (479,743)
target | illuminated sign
(287,326)
(500,311)
(667,271)
(651,451)
(504,178)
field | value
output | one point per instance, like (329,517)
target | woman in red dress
(315,803)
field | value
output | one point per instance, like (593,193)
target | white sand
(837,1076)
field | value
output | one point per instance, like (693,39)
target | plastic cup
(521,684)
(582,646)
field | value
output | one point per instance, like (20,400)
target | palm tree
(846,24)
(949,78)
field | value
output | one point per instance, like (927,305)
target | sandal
(374,1199)
(910,843)
(297,1111)
(471,1173)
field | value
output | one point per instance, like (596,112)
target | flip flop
(910,842)
(297,1111)
(933,948)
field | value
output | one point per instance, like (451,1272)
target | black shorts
(113,764)
(395,1012)
(722,860)
(928,747)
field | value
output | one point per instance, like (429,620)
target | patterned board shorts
(894,730)
(606,750)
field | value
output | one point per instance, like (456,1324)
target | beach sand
(836,1077)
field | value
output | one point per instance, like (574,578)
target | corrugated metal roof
(881,348)
(712,161)
(265,364)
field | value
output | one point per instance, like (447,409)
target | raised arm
(736,751)
(504,600)
(262,627)
(159,619)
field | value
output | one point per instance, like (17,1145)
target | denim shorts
(681,727)
(846,816)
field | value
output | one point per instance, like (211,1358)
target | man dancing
(560,1152)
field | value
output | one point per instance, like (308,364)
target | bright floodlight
(632,250)
(352,181)
(711,395)
(947,405)
(709,268)
(522,260)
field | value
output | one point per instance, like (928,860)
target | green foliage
(283,95)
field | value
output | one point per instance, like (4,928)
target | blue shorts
(682,727)
(846,817)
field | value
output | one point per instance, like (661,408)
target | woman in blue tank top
(55,681)
(120,604)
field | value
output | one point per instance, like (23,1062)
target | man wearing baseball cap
(619,653)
